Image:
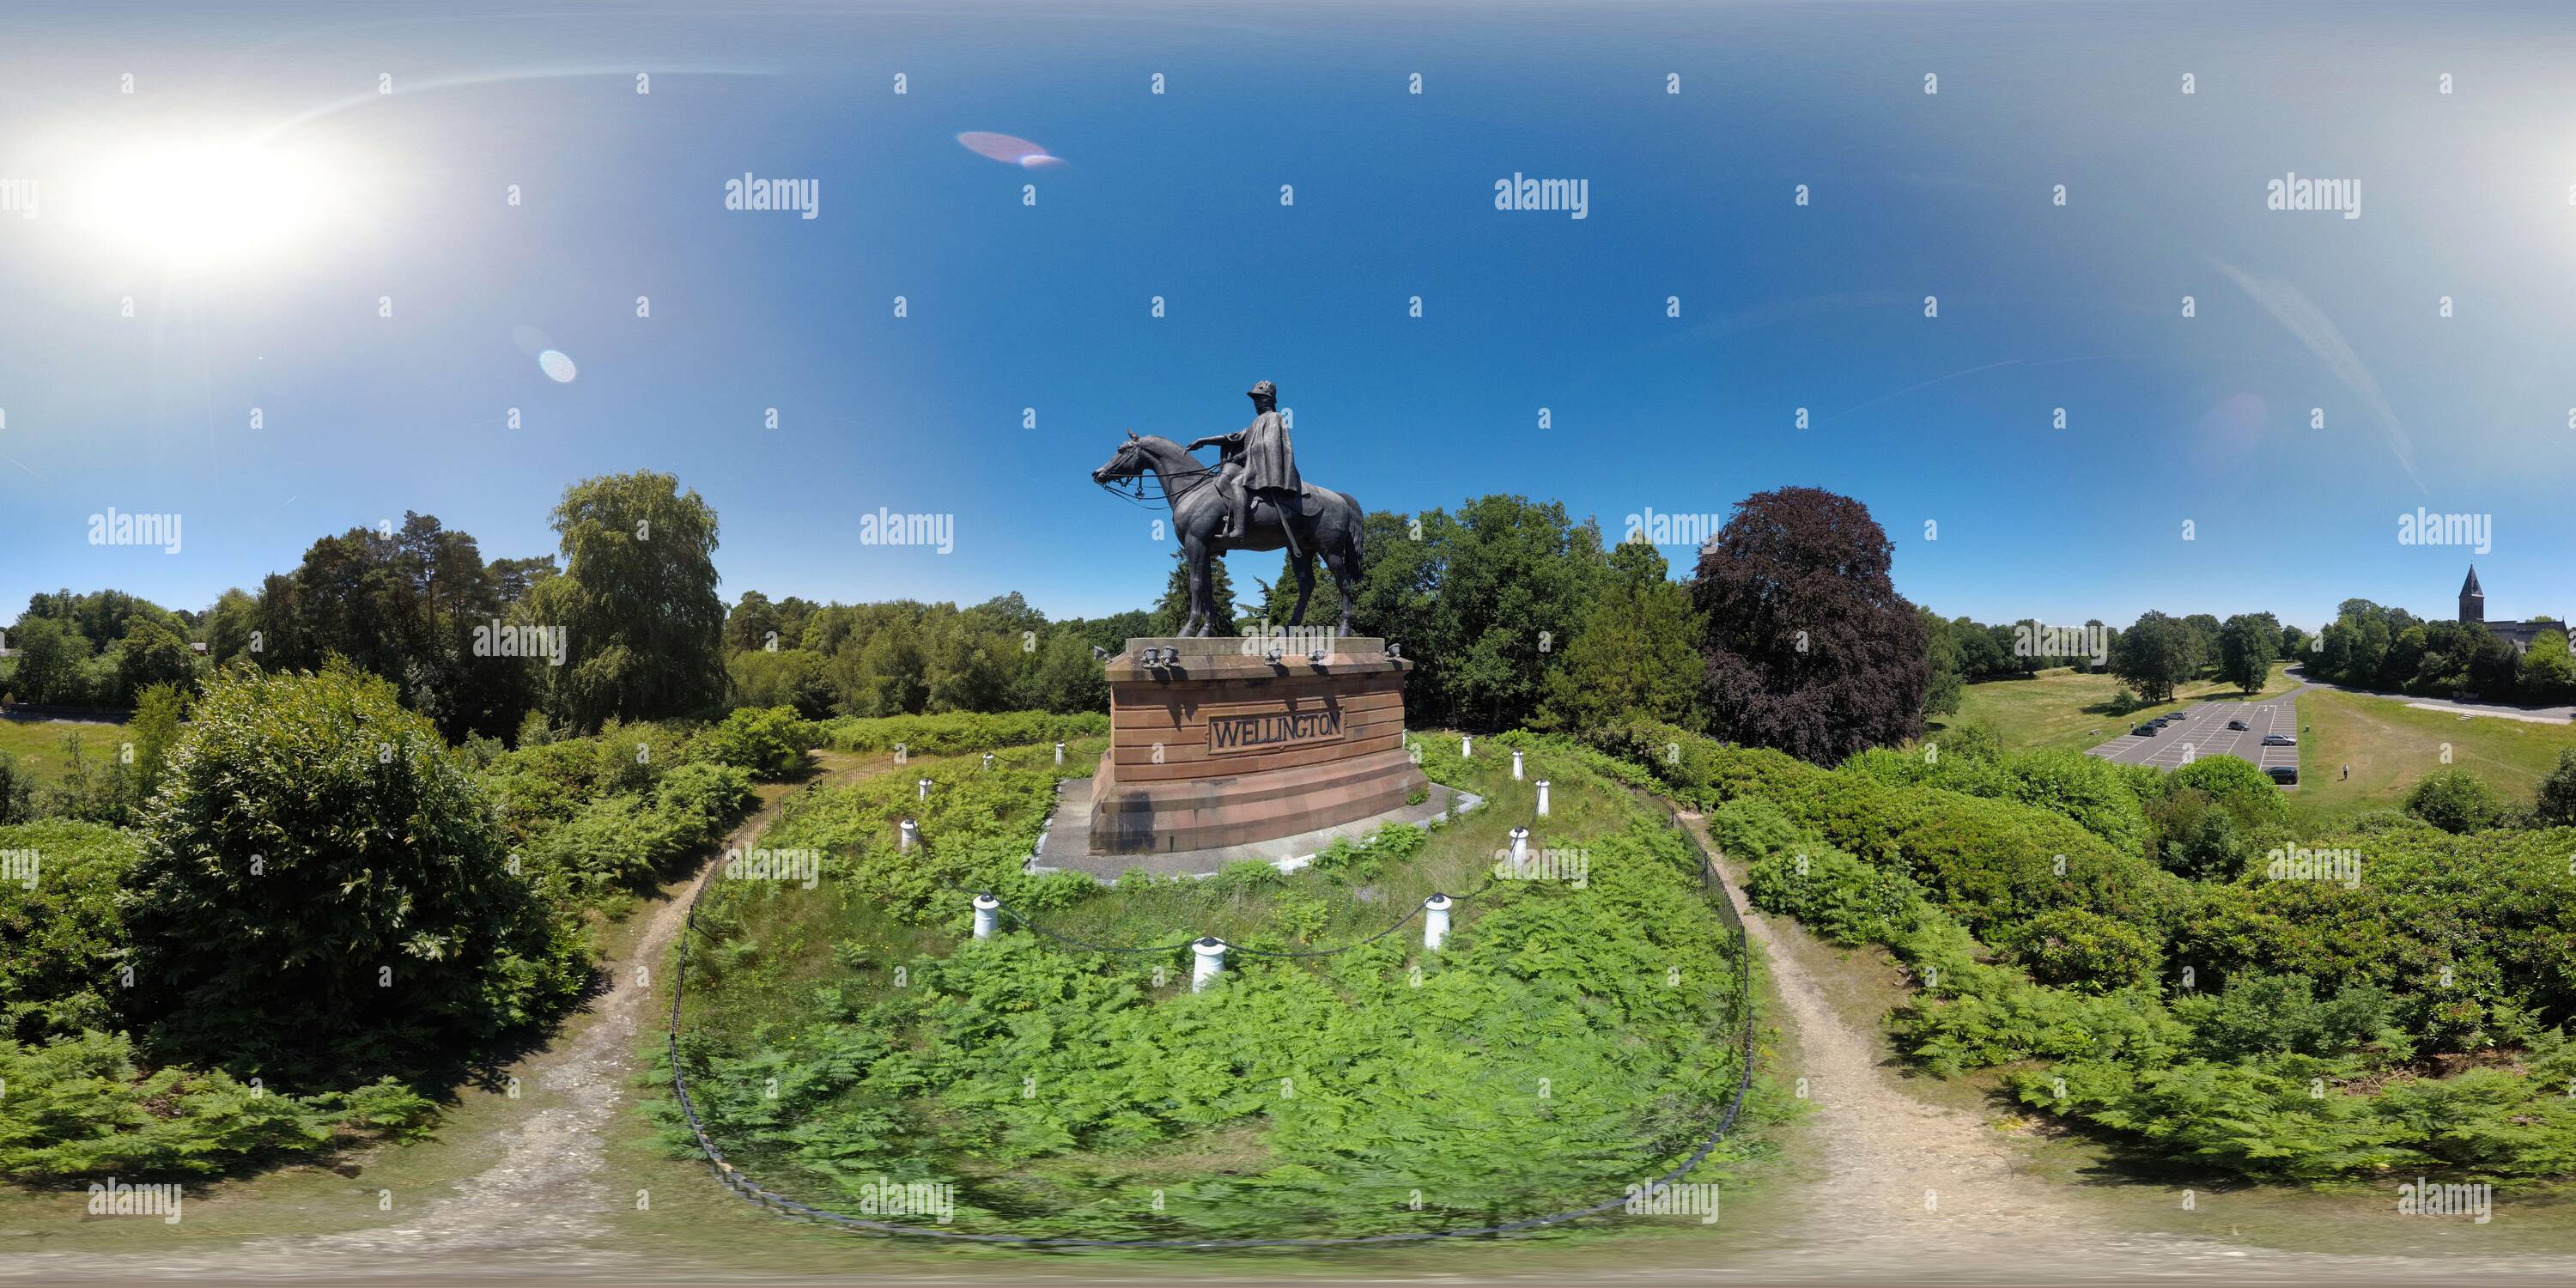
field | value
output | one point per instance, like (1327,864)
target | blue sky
(2206,420)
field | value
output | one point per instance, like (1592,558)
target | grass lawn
(38,744)
(2061,708)
(2391,745)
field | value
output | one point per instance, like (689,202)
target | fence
(1713,891)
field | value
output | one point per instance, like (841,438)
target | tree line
(1787,632)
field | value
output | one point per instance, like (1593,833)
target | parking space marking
(2202,731)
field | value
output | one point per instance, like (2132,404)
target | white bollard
(1516,764)
(1542,798)
(1466,746)
(1435,922)
(1059,753)
(911,832)
(988,916)
(1520,847)
(1209,964)
(925,790)
(988,760)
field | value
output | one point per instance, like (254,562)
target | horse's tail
(1359,536)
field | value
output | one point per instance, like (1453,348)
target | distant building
(2473,608)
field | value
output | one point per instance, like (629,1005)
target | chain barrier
(1712,885)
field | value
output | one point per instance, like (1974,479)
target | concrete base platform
(1066,847)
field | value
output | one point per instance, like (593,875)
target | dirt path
(1901,1178)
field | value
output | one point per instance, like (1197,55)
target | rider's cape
(1268,461)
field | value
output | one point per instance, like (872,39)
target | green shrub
(322,892)
(959,732)
(2455,800)
(2077,947)
(59,926)
(1837,897)
(83,1106)
(769,742)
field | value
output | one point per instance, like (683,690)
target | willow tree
(643,628)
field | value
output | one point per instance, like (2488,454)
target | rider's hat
(1262,389)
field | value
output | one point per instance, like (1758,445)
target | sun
(207,204)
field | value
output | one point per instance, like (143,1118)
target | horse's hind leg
(1340,561)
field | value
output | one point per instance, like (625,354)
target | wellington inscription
(1235,735)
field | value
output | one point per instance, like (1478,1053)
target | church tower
(2473,601)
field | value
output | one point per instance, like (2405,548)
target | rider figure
(1258,462)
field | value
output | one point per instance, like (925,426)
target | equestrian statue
(1253,499)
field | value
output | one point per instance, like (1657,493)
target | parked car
(2236,724)
(2149,730)
(2279,740)
(2284,773)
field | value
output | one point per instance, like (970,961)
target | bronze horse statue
(1329,525)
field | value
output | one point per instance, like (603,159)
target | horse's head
(1124,464)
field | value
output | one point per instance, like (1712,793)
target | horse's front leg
(1202,592)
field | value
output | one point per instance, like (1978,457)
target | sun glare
(206,205)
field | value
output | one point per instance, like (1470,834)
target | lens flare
(1003,147)
(557,365)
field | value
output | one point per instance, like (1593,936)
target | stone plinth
(1222,746)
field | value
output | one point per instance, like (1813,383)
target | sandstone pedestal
(1221,746)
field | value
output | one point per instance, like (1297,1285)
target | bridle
(1136,495)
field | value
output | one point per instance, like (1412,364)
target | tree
(324,894)
(1634,655)
(2154,655)
(2455,800)
(636,600)
(2557,804)
(2205,630)
(1066,678)
(1941,695)
(2548,671)
(2495,669)
(49,656)
(754,623)
(1809,649)
(1173,611)
(1515,579)
(2245,647)
(154,730)
(153,655)
(1981,657)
